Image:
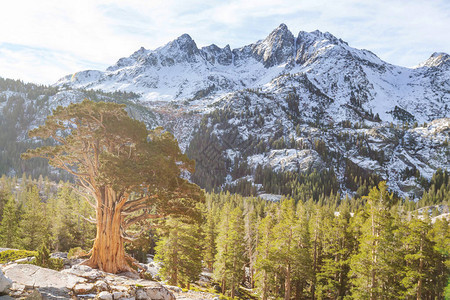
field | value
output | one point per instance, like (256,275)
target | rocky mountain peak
(310,44)
(282,29)
(437,59)
(213,54)
(182,49)
(185,40)
(276,48)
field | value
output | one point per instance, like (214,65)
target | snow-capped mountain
(303,91)
(181,71)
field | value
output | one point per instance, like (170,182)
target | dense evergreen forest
(378,246)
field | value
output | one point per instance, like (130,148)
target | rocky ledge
(78,282)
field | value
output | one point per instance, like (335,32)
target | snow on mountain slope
(306,89)
(180,71)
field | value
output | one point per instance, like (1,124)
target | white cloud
(95,33)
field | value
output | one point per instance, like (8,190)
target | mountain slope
(288,104)
(25,106)
(180,72)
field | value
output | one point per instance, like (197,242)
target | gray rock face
(292,160)
(52,293)
(31,275)
(80,282)
(61,255)
(105,296)
(214,54)
(39,283)
(276,48)
(83,271)
(438,60)
(83,288)
(5,283)
(183,49)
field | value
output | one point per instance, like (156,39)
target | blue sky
(41,41)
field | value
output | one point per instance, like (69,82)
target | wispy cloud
(44,40)
(39,65)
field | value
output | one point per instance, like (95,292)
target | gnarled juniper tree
(131,174)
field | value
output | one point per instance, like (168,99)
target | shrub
(76,252)
(43,260)
(12,255)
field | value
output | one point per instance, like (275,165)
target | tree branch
(131,238)
(134,209)
(141,217)
(131,203)
(90,219)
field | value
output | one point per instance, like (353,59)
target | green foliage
(229,261)
(144,244)
(76,252)
(343,250)
(210,231)
(265,270)
(12,255)
(69,227)
(333,253)
(127,157)
(42,211)
(339,244)
(9,226)
(179,251)
(299,186)
(377,262)
(43,257)
(419,257)
(34,225)
(438,189)
(44,260)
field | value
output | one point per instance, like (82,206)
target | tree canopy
(131,174)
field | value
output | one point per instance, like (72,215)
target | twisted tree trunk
(108,252)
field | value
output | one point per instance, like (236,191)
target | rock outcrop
(80,282)
(5,283)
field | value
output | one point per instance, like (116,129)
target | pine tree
(251,235)
(34,226)
(65,232)
(284,249)
(4,196)
(317,229)
(338,246)
(179,252)
(264,265)
(376,265)
(440,236)
(303,270)
(419,255)
(210,231)
(230,258)
(9,225)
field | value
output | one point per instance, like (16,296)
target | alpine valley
(284,109)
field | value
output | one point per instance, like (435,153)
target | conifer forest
(324,246)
